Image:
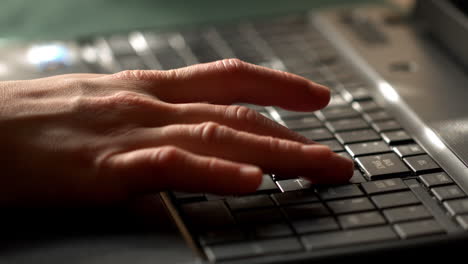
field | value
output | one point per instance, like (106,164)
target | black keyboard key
(327,58)
(202,49)
(361,220)
(296,197)
(408,150)
(418,228)
(457,207)
(259,216)
(447,192)
(377,116)
(359,93)
(394,199)
(303,123)
(214,197)
(382,186)
(221,236)
(189,197)
(207,214)
(462,220)
(351,205)
(169,58)
(319,224)
(286,114)
(396,137)
(435,179)
(345,155)
(271,230)
(407,213)
(280,245)
(337,101)
(348,237)
(388,125)
(316,134)
(421,164)
(357,136)
(333,144)
(346,124)
(357,177)
(267,185)
(340,191)
(252,249)
(249,202)
(120,45)
(366,106)
(293,184)
(335,113)
(305,211)
(367,148)
(385,165)
(232,251)
(131,63)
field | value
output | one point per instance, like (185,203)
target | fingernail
(250,171)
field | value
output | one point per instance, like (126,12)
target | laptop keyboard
(397,191)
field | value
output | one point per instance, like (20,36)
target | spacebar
(342,238)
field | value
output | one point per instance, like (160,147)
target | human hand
(90,138)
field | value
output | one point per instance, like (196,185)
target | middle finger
(237,117)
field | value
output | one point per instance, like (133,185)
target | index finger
(232,81)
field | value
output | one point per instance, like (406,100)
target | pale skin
(97,139)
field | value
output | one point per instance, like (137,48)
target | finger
(75,75)
(274,155)
(230,81)
(234,116)
(162,168)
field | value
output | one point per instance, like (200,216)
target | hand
(90,138)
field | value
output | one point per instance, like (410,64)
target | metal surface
(448,24)
(429,101)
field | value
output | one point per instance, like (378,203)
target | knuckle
(280,145)
(211,164)
(134,75)
(149,78)
(232,66)
(274,144)
(170,75)
(208,131)
(166,156)
(117,107)
(85,105)
(125,100)
(241,113)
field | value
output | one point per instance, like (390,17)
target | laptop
(399,84)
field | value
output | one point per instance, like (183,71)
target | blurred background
(67,19)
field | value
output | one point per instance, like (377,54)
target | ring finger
(273,155)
